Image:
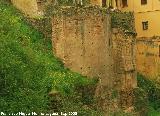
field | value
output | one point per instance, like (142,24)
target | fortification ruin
(83,39)
(87,42)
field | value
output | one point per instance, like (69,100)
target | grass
(29,70)
(152,90)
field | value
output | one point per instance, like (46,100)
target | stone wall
(124,56)
(124,66)
(148,57)
(83,40)
(31,8)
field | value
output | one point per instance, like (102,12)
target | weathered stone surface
(124,67)
(31,8)
(148,57)
(83,39)
(124,56)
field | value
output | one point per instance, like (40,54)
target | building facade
(147,16)
(146,13)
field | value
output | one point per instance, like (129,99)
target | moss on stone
(124,21)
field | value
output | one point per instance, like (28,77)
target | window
(124,3)
(159,50)
(103,3)
(116,3)
(145,25)
(143,2)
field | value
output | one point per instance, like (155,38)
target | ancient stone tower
(84,40)
(81,38)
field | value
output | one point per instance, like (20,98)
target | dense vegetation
(124,21)
(29,71)
(33,79)
(149,96)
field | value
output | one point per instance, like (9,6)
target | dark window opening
(103,3)
(116,3)
(143,2)
(159,50)
(145,25)
(124,3)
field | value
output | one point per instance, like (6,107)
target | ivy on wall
(124,21)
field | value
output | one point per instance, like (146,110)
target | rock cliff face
(83,39)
